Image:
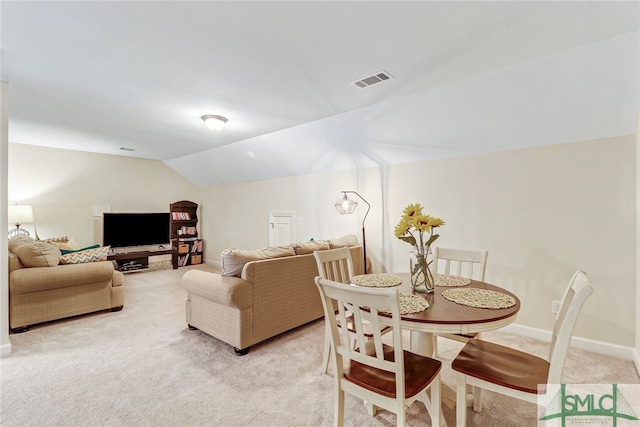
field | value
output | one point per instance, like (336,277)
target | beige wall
(542,213)
(63,186)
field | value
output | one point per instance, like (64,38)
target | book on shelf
(197,246)
(181,216)
(183,260)
(191,231)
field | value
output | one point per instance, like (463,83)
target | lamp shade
(20,214)
(345,205)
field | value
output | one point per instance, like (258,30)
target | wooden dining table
(445,316)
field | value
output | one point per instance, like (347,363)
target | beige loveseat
(260,293)
(41,289)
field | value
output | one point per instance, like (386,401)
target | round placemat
(410,303)
(451,281)
(481,298)
(375,280)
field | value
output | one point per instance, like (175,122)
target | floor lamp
(348,206)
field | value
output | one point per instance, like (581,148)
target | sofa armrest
(231,291)
(14,262)
(36,279)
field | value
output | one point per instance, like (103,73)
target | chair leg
(401,416)
(338,415)
(370,408)
(326,355)
(477,399)
(461,400)
(436,402)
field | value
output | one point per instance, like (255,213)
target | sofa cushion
(89,255)
(37,254)
(19,240)
(67,246)
(233,260)
(68,251)
(305,248)
(62,239)
(348,240)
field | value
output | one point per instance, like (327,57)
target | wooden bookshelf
(184,233)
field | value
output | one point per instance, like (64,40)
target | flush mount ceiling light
(214,122)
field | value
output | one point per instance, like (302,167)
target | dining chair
(337,265)
(515,373)
(464,263)
(384,376)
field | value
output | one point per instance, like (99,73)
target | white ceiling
(470,77)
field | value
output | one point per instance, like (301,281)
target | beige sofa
(274,292)
(41,289)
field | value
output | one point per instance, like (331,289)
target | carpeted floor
(143,367)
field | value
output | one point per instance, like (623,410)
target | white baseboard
(614,350)
(5,350)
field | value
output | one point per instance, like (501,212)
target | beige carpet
(143,367)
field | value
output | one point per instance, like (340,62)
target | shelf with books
(190,252)
(184,219)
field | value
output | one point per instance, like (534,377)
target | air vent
(127,149)
(372,80)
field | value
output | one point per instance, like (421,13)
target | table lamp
(19,214)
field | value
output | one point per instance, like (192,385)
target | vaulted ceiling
(468,77)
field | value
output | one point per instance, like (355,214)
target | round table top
(444,312)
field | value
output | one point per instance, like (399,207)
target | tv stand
(136,259)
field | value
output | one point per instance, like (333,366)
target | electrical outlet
(555,307)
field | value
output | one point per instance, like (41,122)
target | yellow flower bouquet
(414,227)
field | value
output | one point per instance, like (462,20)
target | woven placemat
(375,280)
(481,298)
(410,303)
(448,280)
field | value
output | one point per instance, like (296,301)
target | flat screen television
(135,229)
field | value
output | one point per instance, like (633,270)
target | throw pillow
(233,260)
(69,245)
(61,239)
(68,251)
(348,240)
(38,254)
(89,255)
(19,240)
(308,247)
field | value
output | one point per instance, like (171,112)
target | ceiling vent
(379,77)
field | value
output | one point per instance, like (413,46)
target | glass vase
(421,277)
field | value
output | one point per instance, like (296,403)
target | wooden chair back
(335,264)
(352,302)
(577,292)
(460,262)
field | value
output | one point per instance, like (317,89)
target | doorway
(281,228)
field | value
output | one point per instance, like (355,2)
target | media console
(135,259)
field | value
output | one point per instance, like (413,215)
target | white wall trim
(608,349)
(636,360)
(5,343)
(5,350)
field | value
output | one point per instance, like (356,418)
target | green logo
(589,406)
